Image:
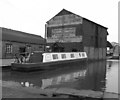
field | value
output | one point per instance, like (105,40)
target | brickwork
(19,42)
(94,36)
(16,46)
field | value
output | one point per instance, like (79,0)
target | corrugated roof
(18,36)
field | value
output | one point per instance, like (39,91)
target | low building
(69,32)
(114,51)
(14,42)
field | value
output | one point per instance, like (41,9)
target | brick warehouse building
(69,32)
(14,42)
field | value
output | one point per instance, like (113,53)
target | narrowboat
(43,60)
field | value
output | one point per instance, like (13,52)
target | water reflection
(112,76)
(95,76)
(109,65)
(98,76)
(92,76)
(63,78)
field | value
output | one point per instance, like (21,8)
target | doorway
(57,47)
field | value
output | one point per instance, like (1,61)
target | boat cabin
(61,56)
(37,57)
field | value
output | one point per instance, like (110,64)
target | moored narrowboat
(43,60)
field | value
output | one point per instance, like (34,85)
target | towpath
(15,90)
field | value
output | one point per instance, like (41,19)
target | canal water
(98,76)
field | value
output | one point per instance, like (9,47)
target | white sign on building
(64,35)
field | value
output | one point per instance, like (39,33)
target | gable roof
(66,12)
(63,12)
(109,44)
(18,36)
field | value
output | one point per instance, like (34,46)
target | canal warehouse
(69,32)
(19,42)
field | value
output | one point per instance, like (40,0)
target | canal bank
(15,90)
(6,62)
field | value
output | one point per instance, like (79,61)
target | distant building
(69,32)
(14,42)
(116,51)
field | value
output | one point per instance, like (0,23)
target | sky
(31,15)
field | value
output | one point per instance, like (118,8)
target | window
(55,56)
(72,55)
(83,54)
(63,56)
(8,48)
(79,54)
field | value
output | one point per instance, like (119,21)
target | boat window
(55,56)
(79,54)
(63,56)
(72,55)
(83,54)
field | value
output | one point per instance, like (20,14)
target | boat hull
(45,66)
